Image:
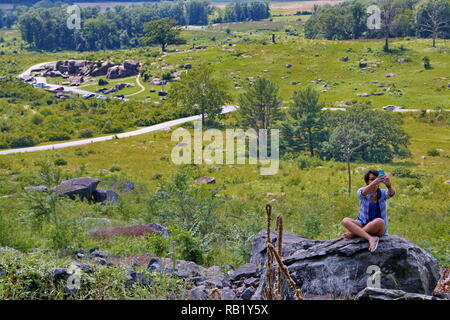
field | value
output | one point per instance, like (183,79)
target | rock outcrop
(87,68)
(136,230)
(341,268)
(83,187)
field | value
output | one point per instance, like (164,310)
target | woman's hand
(387,181)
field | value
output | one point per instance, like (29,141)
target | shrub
(26,140)
(403,172)
(426,62)
(102,82)
(159,245)
(58,136)
(60,162)
(433,153)
(312,225)
(86,133)
(115,168)
(37,119)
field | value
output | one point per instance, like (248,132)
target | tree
(162,32)
(388,140)
(199,91)
(305,120)
(344,141)
(433,17)
(388,11)
(260,105)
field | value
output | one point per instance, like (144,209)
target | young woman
(372,218)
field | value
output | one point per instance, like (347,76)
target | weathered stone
(370,293)
(199,293)
(215,282)
(251,282)
(247,293)
(36,188)
(83,187)
(291,243)
(245,271)
(104,196)
(128,186)
(345,59)
(100,261)
(228,294)
(131,231)
(207,180)
(288,65)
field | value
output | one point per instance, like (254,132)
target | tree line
(243,11)
(120,26)
(399,18)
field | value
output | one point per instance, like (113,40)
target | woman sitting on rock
(372,218)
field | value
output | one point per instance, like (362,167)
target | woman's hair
(366,176)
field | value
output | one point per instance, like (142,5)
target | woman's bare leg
(376,226)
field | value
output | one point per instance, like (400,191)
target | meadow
(311,194)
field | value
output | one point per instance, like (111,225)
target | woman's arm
(388,184)
(371,187)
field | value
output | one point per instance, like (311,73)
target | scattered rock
(187,66)
(390,294)
(228,294)
(362,63)
(251,282)
(288,65)
(130,231)
(36,188)
(345,59)
(104,196)
(83,187)
(275,194)
(199,293)
(207,180)
(247,294)
(128,186)
(245,271)
(447,182)
(390,75)
(100,261)
(363,94)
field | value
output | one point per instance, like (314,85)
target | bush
(433,153)
(102,82)
(26,140)
(426,62)
(37,118)
(312,225)
(305,161)
(159,245)
(60,162)
(58,136)
(115,168)
(86,133)
(403,172)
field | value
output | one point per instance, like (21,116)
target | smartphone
(381,174)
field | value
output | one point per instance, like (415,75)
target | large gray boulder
(341,268)
(82,187)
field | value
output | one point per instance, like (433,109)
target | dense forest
(399,18)
(45,28)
